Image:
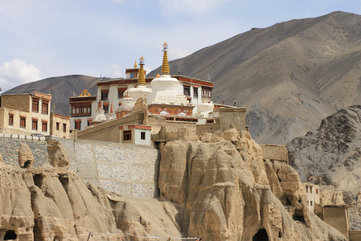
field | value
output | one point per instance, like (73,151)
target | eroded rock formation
(228,192)
(217,187)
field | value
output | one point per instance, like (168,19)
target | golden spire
(165,65)
(141,74)
(135,64)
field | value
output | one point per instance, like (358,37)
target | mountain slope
(332,154)
(291,74)
(61,88)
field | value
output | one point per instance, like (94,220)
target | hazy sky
(43,38)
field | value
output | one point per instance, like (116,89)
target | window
(127,135)
(311,189)
(311,203)
(22,122)
(11,119)
(35,105)
(195,92)
(77,124)
(64,128)
(206,92)
(44,126)
(142,135)
(106,108)
(121,92)
(34,124)
(306,188)
(45,107)
(57,126)
(316,191)
(89,122)
(104,94)
(187,90)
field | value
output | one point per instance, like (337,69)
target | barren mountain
(291,74)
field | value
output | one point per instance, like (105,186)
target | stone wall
(275,152)
(126,169)
(337,217)
(9,147)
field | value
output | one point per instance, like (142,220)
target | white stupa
(99,115)
(165,89)
(141,91)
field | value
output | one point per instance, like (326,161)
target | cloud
(190,6)
(17,72)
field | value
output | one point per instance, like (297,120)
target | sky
(47,38)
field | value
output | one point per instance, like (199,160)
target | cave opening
(27,164)
(298,216)
(38,180)
(261,235)
(10,235)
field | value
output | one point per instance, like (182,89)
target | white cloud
(17,72)
(190,6)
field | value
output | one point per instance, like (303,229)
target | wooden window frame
(11,119)
(45,111)
(32,124)
(21,122)
(42,125)
(127,135)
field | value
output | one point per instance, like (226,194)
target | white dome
(141,91)
(163,112)
(167,90)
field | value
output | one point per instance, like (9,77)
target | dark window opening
(77,124)
(261,235)
(106,109)
(22,122)
(57,126)
(34,124)
(11,119)
(280,234)
(142,135)
(187,90)
(195,92)
(127,135)
(64,128)
(38,180)
(10,235)
(104,94)
(45,107)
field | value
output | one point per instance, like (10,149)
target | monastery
(134,108)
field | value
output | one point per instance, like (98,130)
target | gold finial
(158,75)
(85,93)
(165,65)
(135,64)
(141,74)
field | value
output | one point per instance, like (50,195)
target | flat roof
(35,93)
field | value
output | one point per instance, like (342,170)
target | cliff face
(332,153)
(228,192)
(52,203)
(218,188)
